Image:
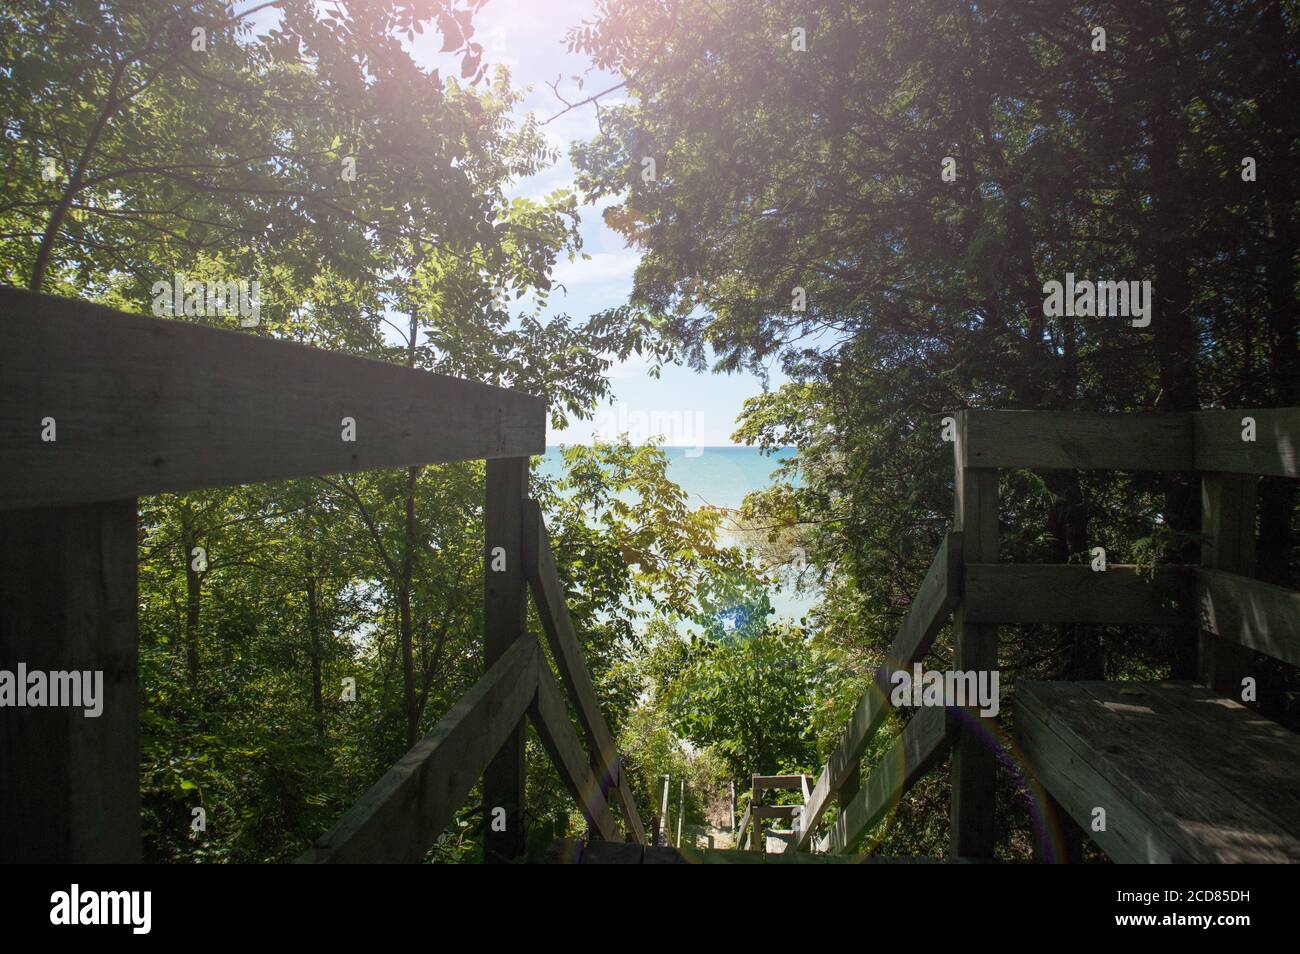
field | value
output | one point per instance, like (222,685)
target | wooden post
(757,839)
(681,811)
(733,807)
(974,763)
(1228,523)
(852,782)
(1055,817)
(504,608)
(69,783)
(663,813)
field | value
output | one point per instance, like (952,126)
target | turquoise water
(716,476)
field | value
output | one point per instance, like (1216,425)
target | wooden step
(1183,774)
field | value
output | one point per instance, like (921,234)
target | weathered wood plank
(1067,593)
(1204,780)
(778,811)
(664,826)
(548,593)
(1068,440)
(403,813)
(1247,753)
(551,719)
(70,783)
(973,767)
(505,612)
(1130,837)
(1258,615)
(597,853)
(938,595)
(789,782)
(1275,451)
(1228,515)
(743,831)
(145,405)
(1208,441)
(921,744)
(867,718)
(843,798)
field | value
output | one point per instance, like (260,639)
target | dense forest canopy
(871,194)
(877,194)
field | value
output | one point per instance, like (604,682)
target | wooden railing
(750,831)
(548,595)
(403,813)
(928,614)
(142,406)
(968,585)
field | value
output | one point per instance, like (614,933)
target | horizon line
(680,446)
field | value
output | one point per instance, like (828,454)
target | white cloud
(604,268)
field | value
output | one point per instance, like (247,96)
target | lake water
(719,477)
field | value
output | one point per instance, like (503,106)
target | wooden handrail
(776,811)
(936,598)
(743,829)
(1252,613)
(1204,441)
(1274,452)
(1012,593)
(551,719)
(97,408)
(548,594)
(1068,440)
(401,816)
(403,813)
(922,742)
(146,405)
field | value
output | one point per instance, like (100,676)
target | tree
(101,95)
(800,212)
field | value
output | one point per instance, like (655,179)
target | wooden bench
(1184,775)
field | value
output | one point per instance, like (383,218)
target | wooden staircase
(1182,772)
(147,406)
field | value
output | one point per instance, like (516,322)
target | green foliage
(777,169)
(751,699)
(819,169)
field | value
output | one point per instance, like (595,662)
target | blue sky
(686,408)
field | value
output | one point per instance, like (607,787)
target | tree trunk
(193,594)
(75,180)
(313,629)
(1172,321)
